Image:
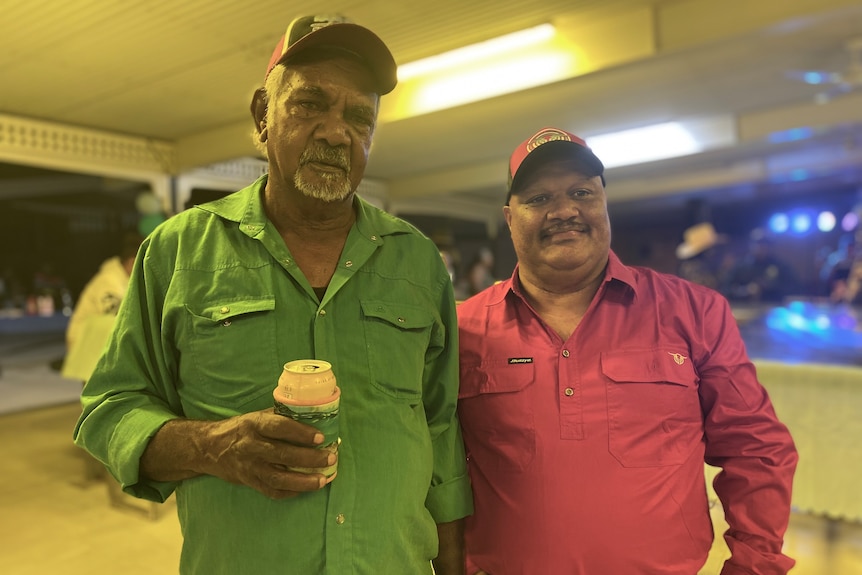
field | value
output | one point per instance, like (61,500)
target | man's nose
(564,208)
(333,129)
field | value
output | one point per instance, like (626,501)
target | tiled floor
(54,520)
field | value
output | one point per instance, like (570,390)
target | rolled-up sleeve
(450,496)
(755,450)
(128,398)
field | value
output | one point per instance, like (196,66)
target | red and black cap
(308,32)
(551,144)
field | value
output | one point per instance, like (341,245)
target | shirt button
(226,323)
(286,261)
(373,238)
(569,392)
(400,320)
(321,312)
(348,263)
(565,353)
(224,309)
(339,518)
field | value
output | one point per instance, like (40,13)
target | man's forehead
(318,77)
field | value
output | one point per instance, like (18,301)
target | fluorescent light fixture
(489,81)
(476,52)
(518,61)
(656,142)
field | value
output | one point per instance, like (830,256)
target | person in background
(593,392)
(837,268)
(480,273)
(699,261)
(92,321)
(761,276)
(295,266)
(103,293)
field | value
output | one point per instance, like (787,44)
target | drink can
(307,392)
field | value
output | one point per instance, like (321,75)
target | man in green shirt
(295,266)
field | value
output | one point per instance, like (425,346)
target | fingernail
(318,438)
(331,459)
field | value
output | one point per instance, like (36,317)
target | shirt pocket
(495,407)
(397,336)
(233,353)
(654,413)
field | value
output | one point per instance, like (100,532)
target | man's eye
(362,119)
(537,199)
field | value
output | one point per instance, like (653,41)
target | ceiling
(182,73)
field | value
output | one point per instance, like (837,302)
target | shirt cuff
(450,500)
(126,447)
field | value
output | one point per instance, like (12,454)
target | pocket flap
(499,377)
(229,309)
(649,366)
(397,314)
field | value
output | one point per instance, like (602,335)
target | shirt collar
(245,207)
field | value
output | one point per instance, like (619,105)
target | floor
(57,519)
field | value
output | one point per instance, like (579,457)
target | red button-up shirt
(587,455)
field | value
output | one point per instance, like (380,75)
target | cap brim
(587,162)
(360,41)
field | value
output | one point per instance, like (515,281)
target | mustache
(325,154)
(567,226)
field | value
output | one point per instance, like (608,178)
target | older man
(592,393)
(295,266)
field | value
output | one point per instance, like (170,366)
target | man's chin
(330,191)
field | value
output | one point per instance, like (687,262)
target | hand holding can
(307,393)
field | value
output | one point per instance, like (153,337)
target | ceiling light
(476,52)
(489,81)
(503,65)
(656,142)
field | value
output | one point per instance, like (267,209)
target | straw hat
(697,239)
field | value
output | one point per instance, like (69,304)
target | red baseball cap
(549,144)
(310,31)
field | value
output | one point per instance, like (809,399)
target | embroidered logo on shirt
(678,358)
(520,360)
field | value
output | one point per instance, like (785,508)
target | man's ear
(258,112)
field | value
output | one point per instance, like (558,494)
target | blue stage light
(849,221)
(801,223)
(826,221)
(779,223)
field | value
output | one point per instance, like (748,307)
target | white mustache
(334,156)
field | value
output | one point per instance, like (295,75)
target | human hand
(258,448)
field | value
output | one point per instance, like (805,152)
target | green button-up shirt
(216,306)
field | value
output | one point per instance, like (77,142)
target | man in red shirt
(592,393)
